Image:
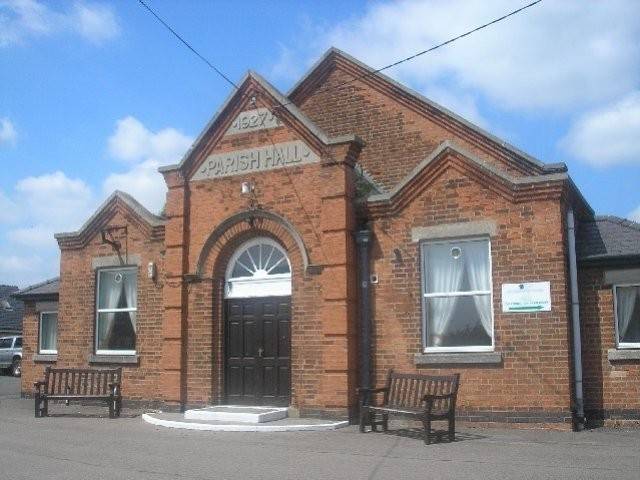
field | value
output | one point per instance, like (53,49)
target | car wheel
(16,367)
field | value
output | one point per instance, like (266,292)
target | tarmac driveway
(73,447)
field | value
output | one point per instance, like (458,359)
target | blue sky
(94,95)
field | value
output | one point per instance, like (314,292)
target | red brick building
(312,241)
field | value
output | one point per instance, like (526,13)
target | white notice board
(526,297)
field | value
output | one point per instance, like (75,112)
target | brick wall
(316,201)
(533,380)
(76,312)
(611,388)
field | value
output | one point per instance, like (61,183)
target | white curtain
(111,298)
(445,275)
(49,331)
(625,304)
(130,292)
(477,263)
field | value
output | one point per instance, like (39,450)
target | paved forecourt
(77,448)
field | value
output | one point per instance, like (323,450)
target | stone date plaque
(252,120)
(269,157)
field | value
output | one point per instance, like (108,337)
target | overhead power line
(187,44)
(340,85)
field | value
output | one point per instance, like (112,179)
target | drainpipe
(363,240)
(575,318)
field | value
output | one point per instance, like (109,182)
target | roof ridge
(554,167)
(28,288)
(626,222)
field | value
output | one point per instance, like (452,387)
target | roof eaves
(448,144)
(27,291)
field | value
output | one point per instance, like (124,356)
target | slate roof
(11,310)
(608,238)
(47,290)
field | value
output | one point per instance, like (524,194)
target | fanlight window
(259,268)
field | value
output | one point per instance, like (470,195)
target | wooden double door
(258,351)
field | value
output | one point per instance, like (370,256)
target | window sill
(45,357)
(469,358)
(622,354)
(114,359)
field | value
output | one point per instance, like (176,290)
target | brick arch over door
(206,297)
(245,225)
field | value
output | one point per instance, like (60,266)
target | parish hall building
(312,241)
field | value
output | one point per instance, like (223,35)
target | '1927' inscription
(271,157)
(258,119)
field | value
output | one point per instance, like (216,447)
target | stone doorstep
(236,413)
(177,420)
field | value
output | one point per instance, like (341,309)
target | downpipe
(578,411)
(363,240)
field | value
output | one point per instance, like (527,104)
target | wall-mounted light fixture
(247,188)
(151,271)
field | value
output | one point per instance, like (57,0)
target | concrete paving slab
(80,448)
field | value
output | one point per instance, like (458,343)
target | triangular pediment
(118,202)
(223,148)
(450,156)
(318,80)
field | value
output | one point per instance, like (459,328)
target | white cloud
(38,236)
(8,209)
(28,268)
(8,133)
(635,215)
(143,182)
(39,207)
(609,135)
(96,23)
(22,19)
(555,55)
(132,142)
(55,199)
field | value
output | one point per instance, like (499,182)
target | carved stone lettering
(250,120)
(269,157)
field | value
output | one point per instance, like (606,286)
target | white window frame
(40,349)
(621,345)
(113,310)
(425,296)
(277,285)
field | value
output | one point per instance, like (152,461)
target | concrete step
(237,413)
(177,420)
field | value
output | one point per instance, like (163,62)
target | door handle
(260,352)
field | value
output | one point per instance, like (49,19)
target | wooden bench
(79,384)
(424,397)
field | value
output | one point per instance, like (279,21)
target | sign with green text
(526,297)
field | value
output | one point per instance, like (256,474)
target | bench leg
(452,427)
(426,422)
(385,422)
(364,415)
(45,408)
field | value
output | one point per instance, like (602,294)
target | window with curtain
(117,305)
(457,299)
(48,333)
(627,307)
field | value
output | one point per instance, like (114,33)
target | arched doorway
(258,325)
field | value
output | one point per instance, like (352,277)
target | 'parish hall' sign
(270,157)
